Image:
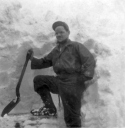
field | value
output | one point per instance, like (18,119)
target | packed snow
(98,24)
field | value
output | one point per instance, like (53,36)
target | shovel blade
(10,106)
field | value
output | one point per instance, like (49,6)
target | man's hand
(84,80)
(29,54)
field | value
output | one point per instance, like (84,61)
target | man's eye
(59,33)
(56,33)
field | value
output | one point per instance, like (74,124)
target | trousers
(70,91)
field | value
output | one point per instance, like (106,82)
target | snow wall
(98,24)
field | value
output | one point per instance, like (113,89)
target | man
(74,65)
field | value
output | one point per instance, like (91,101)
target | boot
(44,111)
(49,107)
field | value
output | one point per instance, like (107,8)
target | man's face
(61,33)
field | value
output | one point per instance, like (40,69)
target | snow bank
(99,24)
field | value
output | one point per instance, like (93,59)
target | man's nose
(58,34)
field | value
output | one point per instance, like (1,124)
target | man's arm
(87,61)
(44,62)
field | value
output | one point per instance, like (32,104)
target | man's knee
(38,81)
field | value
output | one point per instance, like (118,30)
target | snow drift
(98,24)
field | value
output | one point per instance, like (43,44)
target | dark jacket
(74,58)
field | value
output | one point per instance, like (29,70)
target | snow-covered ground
(98,24)
(25,121)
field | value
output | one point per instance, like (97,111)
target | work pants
(70,90)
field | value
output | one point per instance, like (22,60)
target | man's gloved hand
(83,79)
(86,78)
(29,54)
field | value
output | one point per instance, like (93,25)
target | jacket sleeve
(87,60)
(44,62)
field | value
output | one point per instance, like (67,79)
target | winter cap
(60,23)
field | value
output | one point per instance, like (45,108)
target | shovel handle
(21,77)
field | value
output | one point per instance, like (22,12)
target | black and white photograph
(62,64)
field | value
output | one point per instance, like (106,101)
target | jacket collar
(68,42)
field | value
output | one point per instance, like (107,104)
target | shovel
(15,101)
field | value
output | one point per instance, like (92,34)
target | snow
(26,121)
(98,24)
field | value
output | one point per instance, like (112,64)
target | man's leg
(71,94)
(43,85)
(72,106)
